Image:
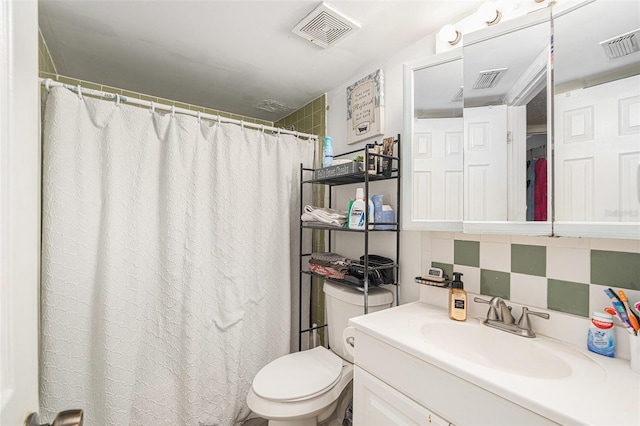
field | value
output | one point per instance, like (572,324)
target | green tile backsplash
(615,269)
(568,297)
(530,260)
(562,283)
(495,283)
(466,253)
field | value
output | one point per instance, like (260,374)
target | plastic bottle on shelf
(357,211)
(327,152)
(377,207)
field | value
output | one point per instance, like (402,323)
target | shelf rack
(363,177)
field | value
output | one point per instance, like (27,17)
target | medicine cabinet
(572,136)
(506,110)
(433,180)
(597,120)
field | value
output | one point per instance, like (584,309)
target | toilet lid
(299,375)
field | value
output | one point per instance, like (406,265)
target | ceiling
(230,55)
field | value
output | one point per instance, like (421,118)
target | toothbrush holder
(634,348)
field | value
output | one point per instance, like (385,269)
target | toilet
(305,388)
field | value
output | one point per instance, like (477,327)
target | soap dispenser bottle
(457,299)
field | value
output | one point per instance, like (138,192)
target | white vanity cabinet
(377,403)
(392,387)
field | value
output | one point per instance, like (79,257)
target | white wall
(349,244)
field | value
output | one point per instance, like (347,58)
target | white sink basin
(505,352)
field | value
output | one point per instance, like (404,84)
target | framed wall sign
(365,108)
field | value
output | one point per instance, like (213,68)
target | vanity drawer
(449,396)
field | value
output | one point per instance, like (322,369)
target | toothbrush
(632,317)
(622,313)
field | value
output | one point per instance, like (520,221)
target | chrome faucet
(499,316)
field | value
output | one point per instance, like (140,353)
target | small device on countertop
(435,274)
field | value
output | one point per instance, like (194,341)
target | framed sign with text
(365,108)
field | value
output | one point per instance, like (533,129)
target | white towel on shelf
(324,215)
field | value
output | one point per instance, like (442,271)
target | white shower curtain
(166,262)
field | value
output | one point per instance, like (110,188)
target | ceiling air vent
(488,79)
(622,45)
(325,26)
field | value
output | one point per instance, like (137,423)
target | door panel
(597,153)
(485,163)
(437,169)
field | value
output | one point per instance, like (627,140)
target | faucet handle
(524,322)
(492,314)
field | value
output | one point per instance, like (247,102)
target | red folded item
(326,271)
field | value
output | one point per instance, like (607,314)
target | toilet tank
(343,303)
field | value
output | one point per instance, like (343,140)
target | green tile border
(466,253)
(530,260)
(495,283)
(615,269)
(568,297)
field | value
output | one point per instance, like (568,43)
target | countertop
(608,395)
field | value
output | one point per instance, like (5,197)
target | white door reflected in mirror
(506,81)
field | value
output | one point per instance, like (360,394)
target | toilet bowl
(304,388)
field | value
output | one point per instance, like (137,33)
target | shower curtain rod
(48,83)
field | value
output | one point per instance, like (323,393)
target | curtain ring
(80,91)
(47,84)
(173,111)
(199,117)
(117,100)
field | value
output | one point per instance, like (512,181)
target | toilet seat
(298,376)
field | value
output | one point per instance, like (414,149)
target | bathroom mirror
(433,162)
(506,127)
(597,120)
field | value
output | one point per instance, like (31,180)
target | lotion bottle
(457,299)
(356,211)
(327,152)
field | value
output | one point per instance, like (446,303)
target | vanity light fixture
(449,34)
(489,13)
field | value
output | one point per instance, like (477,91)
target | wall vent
(458,96)
(489,79)
(324,26)
(622,45)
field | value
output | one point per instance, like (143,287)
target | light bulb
(449,34)
(489,13)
